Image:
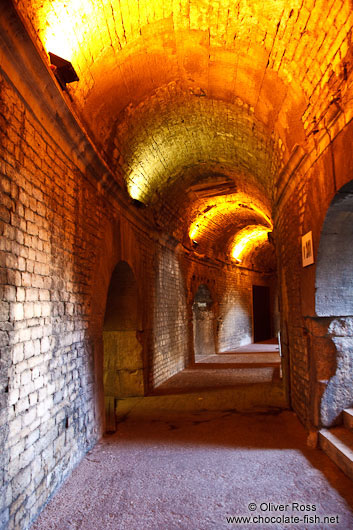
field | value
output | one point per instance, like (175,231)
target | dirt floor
(169,467)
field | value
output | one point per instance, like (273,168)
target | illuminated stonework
(218,209)
(275,56)
(247,239)
(162,139)
(283,29)
(173,92)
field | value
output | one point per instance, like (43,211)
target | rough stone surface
(48,252)
(338,394)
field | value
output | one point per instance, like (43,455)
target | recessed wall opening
(334,278)
(123,364)
(203,323)
(261,313)
(334,300)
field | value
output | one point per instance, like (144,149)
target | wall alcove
(203,323)
(334,300)
(123,364)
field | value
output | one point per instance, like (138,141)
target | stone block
(342,327)
(131,383)
(4,311)
(18,353)
(16,311)
(19,483)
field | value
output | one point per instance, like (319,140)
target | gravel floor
(167,470)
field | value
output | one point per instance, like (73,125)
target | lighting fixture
(63,70)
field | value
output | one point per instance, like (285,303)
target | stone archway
(334,300)
(203,323)
(123,364)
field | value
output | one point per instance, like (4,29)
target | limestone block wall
(293,340)
(50,219)
(123,364)
(169,340)
(61,237)
(57,227)
(235,310)
(64,225)
(235,321)
(178,278)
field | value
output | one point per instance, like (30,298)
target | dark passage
(261,313)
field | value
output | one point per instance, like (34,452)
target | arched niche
(334,276)
(203,323)
(334,301)
(123,364)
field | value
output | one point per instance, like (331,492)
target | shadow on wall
(123,364)
(203,322)
(334,299)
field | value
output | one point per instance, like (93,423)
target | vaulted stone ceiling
(183,96)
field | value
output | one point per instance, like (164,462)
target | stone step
(223,366)
(240,360)
(348,418)
(337,443)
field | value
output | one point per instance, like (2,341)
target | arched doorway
(334,300)
(123,364)
(203,323)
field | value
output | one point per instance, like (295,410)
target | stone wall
(50,219)
(235,310)
(169,347)
(61,237)
(313,355)
(56,218)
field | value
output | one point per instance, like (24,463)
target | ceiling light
(63,70)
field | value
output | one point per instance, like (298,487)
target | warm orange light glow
(222,206)
(247,239)
(68,22)
(64,25)
(134,190)
(80,30)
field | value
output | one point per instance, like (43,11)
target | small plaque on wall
(307,249)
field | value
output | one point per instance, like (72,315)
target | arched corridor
(175,224)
